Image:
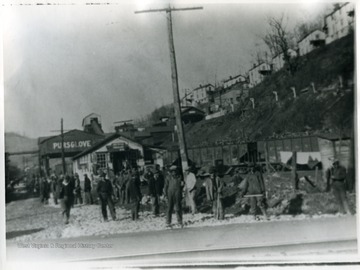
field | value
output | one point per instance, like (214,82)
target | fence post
(313,87)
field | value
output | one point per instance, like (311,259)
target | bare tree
(260,54)
(305,28)
(279,40)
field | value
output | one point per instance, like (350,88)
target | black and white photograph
(179,134)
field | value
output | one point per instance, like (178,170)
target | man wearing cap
(105,192)
(254,189)
(190,188)
(336,176)
(173,192)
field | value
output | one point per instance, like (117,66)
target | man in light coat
(190,188)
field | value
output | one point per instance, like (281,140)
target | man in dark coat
(55,188)
(134,193)
(87,190)
(41,189)
(122,186)
(127,186)
(155,184)
(336,177)
(253,187)
(105,192)
(173,192)
(78,196)
(46,190)
(67,196)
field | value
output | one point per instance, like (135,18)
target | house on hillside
(311,41)
(187,99)
(200,95)
(339,22)
(258,73)
(233,80)
(229,99)
(278,61)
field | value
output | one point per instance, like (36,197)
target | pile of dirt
(282,199)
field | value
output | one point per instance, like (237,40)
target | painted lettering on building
(72,144)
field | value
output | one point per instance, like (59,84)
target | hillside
(18,143)
(330,109)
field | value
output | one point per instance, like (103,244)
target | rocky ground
(28,220)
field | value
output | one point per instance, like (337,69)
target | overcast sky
(69,61)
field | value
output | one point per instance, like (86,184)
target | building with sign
(75,141)
(114,153)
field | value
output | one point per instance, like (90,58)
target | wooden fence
(235,154)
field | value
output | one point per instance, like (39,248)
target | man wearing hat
(336,177)
(254,189)
(173,192)
(190,188)
(156,185)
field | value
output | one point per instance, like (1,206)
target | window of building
(101,160)
(83,159)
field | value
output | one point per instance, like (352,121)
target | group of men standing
(172,186)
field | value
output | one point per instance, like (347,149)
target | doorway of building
(124,159)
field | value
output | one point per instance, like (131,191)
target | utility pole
(62,145)
(175,83)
